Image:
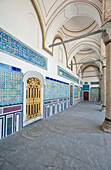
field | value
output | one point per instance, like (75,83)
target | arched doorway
(33,98)
(86,96)
(37,77)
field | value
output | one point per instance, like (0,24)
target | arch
(81,45)
(90,64)
(42,27)
(52,21)
(76,63)
(68,11)
(60,38)
(91,42)
(26,76)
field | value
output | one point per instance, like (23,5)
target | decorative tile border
(54,106)
(94,87)
(86,87)
(0,111)
(12,109)
(14,47)
(65,74)
(53,101)
(48,78)
(94,83)
(10,124)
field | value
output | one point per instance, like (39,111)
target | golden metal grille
(71,95)
(33,98)
(79,94)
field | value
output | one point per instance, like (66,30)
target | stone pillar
(107,40)
(103,89)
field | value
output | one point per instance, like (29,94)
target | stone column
(104,89)
(107,40)
(101,91)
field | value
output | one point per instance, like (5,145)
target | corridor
(72,139)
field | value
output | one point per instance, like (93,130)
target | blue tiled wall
(55,89)
(86,87)
(11,98)
(95,82)
(94,94)
(75,91)
(10,85)
(65,74)
(12,46)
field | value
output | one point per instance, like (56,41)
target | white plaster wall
(19,18)
(91,79)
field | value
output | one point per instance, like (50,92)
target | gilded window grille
(79,94)
(71,95)
(33,98)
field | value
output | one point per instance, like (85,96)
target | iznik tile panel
(94,91)
(55,89)
(12,46)
(75,91)
(95,82)
(85,87)
(81,91)
(10,85)
(65,74)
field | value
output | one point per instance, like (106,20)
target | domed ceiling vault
(72,18)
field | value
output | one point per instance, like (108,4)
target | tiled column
(104,89)
(107,40)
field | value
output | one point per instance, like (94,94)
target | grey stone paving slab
(66,162)
(8,166)
(72,139)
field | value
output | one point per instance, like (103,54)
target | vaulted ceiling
(72,18)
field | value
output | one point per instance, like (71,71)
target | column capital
(106,35)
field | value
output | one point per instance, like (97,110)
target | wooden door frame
(88,96)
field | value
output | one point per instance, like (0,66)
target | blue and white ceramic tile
(55,89)
(65,74)
(10,85)
(12,46)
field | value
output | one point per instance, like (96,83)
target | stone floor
(72,139)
